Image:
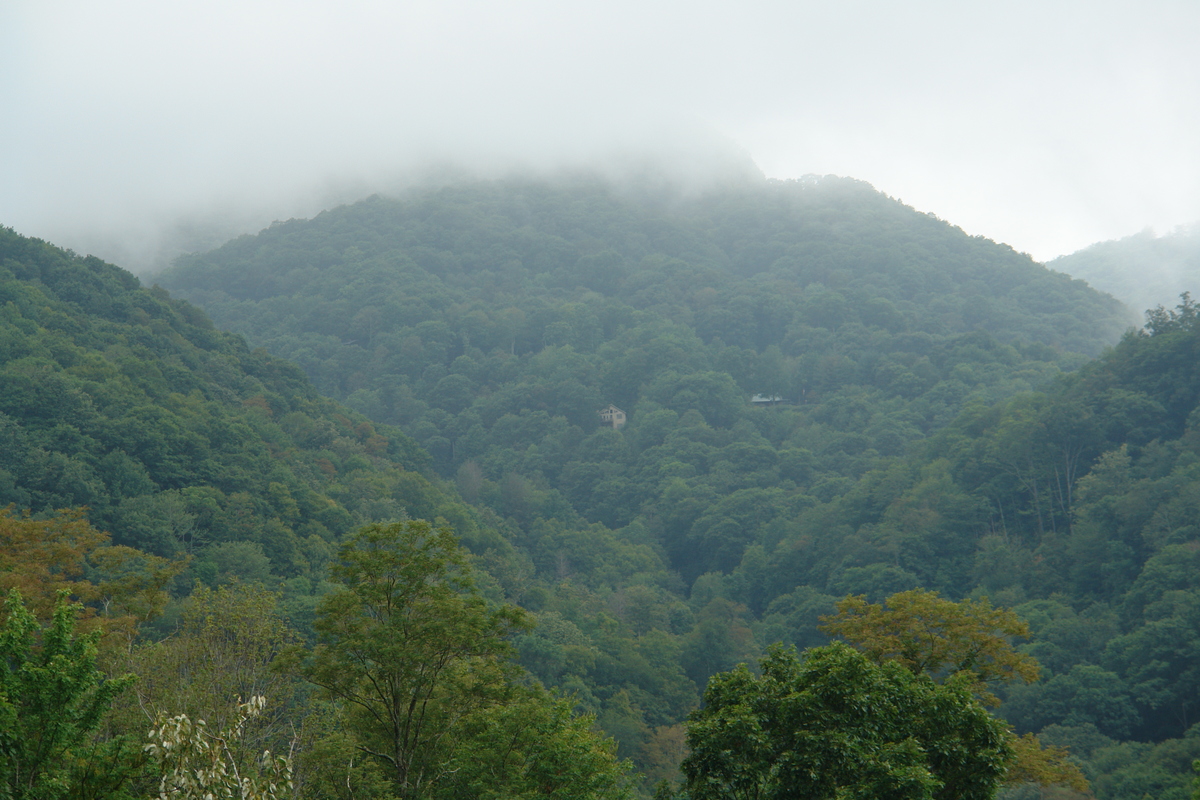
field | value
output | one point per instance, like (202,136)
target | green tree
(220,654)
(410,648)
(52,701)
(421,665)
(535,747)
(836,724)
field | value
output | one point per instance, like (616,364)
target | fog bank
(137,128)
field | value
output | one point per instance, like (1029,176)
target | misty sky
(1048,125)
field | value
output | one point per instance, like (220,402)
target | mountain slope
(528,238)
(930,432)
(928,436)
(492,321)
(1143,270)
(177,437)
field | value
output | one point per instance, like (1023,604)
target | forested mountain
(219,515)
(493,321)
(921,432)
(177,437)
(1143,270)
(931,420)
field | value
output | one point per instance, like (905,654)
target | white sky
(1048,125)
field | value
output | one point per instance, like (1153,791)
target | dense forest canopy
(178,438)
(228,492)
(921,429)
(492,321)
(926,416)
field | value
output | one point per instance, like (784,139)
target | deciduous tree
(200,764)
(52,700)
(421,665)
(928,634)
(968,642)
(837,724)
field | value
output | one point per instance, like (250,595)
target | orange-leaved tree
(931,635)
(118,587)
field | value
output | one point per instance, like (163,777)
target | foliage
(927,634)
(491,321)
(198,765)
(177,437)
(419,661)
(52,701)
(535,746)
(1043,766)
(838,724)
(119,587)
(970,641)
(930,436)
(221,650)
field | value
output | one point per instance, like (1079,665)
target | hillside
(176,437)
(202,501)
(450,305)
(493,321)
(1143,270)
(702,531)
(931,431)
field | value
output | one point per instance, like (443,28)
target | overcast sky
(1047,125)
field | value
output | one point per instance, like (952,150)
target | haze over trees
(1142,271)
(939,424)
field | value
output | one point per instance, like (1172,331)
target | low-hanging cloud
(136,128)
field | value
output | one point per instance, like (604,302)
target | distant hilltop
(1142,271)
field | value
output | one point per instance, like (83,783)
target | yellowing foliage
(929,634)
(41,557)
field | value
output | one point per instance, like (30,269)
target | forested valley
(826,395)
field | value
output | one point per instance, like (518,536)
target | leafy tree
(119,587)
(420,663)
(836,724)
(52,701)
(967,642)
(220,652)
(410,648)
(535,747)
(927,634)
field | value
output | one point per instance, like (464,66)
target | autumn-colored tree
(1035,763)
(38,557)
(42,557)
(928,634)
(970,641)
